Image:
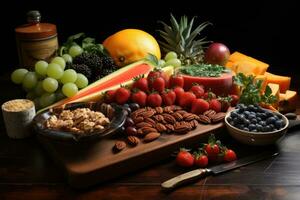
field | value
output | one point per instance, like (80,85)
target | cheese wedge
(283,81)
(288,101)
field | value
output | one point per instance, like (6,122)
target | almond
(160,127)
(204,119)
(151,136)
(133,140)
(119,145)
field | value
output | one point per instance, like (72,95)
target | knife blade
(201,173)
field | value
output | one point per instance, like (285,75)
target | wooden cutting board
(87,164)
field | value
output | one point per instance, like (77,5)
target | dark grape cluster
(255,119)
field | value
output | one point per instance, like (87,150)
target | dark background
(263,30)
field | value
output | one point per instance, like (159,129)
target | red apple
(217,53)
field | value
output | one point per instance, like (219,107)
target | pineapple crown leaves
(181,37)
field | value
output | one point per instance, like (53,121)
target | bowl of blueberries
(254,125)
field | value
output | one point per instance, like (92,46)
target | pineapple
(180,38)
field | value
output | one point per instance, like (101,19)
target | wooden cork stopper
(18,115)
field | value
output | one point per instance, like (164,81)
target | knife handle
(185,178)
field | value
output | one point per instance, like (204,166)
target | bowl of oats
(80,121)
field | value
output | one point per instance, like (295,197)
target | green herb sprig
(88,44)
(205,70)
(251,90)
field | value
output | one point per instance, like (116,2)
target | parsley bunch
(251,90)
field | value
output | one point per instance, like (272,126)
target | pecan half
(182,112)
(169,118)
(209,113)
(138,119)
(169,109)
(119,145)
(145,130)
(133,140)
(148,113)
(194,123)
(189,116)
(170,127)
(160,127)
(159,110)
(204,119)
(151,136)
(182,127)
(150,121)
(177,116)
(143,124)
(158,118)
(218,117)
(137,112)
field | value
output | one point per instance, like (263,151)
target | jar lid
(34,29)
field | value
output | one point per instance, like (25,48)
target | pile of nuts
(78,121)
(149,123)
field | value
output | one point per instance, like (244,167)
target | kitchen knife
(201,173)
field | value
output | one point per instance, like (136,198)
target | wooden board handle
(185,178)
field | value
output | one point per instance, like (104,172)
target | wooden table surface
(27,172)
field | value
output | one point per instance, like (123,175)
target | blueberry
(263,115)
(268,128)
(233,114)
(259,127)
(246,122)
(229,119)
(128,109)
(253,113)
(251,116)
(262,123)
(134,106)
(279,124)
(251,127)
(254,121)
(271,120)
(246,113)
(240,126)
(126,105)
(246,129)
(254,130)
(269,113)
(258,119)
(258,114)
(251,107)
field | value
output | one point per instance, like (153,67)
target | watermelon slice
(122,76)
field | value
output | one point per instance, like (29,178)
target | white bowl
(256,138)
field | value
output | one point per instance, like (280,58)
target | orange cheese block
(247,68)
(283,81)
(288,101)
(258,67)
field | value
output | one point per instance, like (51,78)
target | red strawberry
(139,97)
(197,90)
(178,91)
(235,100)
(168,97)
(215,105)
(199,106)
(154,100)
(209,95)
(122,95)
(176,81)
(159,84)
(186,99)
(151,77)
(141,83)
(165,77)
(109,96)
